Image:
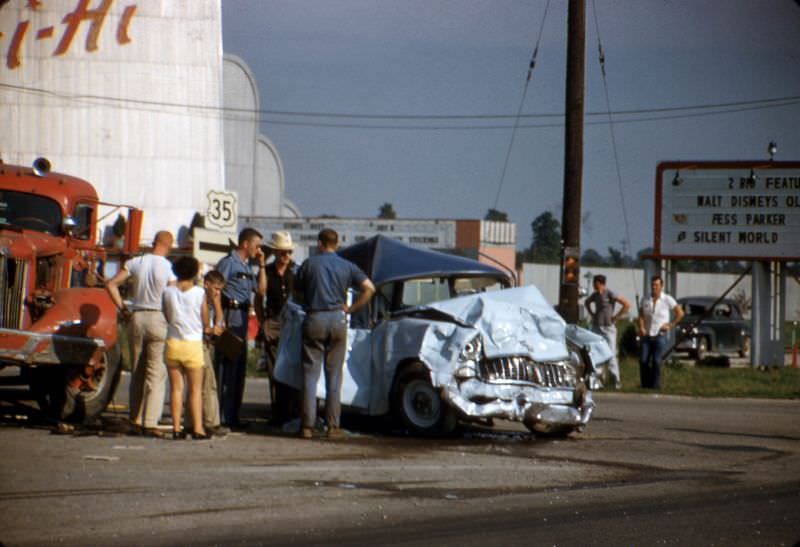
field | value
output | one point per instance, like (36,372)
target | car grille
(524,369)
(13,274)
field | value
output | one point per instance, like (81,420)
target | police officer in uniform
(244,274)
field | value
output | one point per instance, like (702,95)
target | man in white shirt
(654,324)
(150,275)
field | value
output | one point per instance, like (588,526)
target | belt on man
(144,309)
(231,304)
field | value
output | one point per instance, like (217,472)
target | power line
(602,61)
(734,106)
(524,126)
(531,67)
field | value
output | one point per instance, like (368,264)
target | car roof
(386,259)
(705,301)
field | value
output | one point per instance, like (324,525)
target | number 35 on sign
(222,210)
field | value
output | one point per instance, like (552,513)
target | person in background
(150,275)
(604,321)
(240,284)
(186,311)
(213,282)
(323,280)
(280,285)
(654,325)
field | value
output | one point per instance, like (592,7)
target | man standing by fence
(604,321)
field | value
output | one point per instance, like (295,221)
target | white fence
(630,282)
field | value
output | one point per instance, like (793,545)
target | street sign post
(222,211)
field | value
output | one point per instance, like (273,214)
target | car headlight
(473,351)
(469,358)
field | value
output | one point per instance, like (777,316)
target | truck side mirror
(133,231)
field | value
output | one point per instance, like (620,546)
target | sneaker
(305,433)
(335,433)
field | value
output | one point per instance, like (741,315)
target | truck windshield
(30,212)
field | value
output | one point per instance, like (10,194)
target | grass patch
(681,379)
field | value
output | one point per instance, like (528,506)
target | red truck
(57,323)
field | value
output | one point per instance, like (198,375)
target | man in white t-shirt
(150,275)
(654,324)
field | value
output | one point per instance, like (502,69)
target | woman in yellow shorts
(186,310)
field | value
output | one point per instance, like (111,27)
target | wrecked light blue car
(445,339)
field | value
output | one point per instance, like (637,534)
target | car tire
(744,352)
(702,348)
(49,386)
(418,405)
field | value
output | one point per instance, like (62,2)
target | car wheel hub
(421,404)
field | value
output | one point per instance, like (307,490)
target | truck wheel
(91,402)
(56,400)
(418,405)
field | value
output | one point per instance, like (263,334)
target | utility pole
(573,163)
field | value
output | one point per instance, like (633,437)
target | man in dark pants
(654,324)
(240,283)
(323,280)
(280,285)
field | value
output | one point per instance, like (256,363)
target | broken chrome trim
(551,407)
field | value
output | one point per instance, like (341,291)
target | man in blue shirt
(240,283)
(323,280)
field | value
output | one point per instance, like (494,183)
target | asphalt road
(649,470)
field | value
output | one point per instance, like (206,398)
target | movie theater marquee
(730,210)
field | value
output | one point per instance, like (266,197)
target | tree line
(545,248)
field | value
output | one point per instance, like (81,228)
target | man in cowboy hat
(280,283)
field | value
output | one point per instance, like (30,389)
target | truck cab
(57,323)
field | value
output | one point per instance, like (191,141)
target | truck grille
(13,274)
(524,369)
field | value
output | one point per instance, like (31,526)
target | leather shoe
(152,432)
(305,433)
(200,436)
(335,433)
(217,431)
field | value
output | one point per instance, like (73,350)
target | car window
(693,308)
(83,219)
(473,285)
(418,292)
(722,310)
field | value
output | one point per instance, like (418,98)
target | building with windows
(488,241)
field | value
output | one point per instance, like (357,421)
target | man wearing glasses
(280,283)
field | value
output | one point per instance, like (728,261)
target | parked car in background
(720,329)
(446,338)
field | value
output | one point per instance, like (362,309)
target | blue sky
(468,58)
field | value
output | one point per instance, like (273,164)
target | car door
(357,371)
(724,327)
